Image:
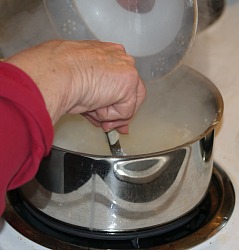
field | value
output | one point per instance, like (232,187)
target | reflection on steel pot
(137,179)
(164,174)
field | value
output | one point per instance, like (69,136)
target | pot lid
(158,36)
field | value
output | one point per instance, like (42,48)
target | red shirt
(26,131)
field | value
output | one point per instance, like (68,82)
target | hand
(97,79)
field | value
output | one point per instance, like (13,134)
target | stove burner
(191,229)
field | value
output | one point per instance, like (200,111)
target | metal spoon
(113,140)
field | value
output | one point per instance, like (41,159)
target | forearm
(25,129)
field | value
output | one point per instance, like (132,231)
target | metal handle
(141,171)
(114,144)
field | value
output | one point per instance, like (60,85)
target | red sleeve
(26,131)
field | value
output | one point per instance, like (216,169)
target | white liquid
(175,111)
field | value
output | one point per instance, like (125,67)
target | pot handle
(141,171)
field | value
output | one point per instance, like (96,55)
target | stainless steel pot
(164,175)
(169,150)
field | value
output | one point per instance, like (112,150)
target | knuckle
(119,46)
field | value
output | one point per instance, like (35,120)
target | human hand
(93,78)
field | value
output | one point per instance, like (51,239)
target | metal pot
(168,162)
(164,175)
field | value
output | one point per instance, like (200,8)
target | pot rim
(218,117)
